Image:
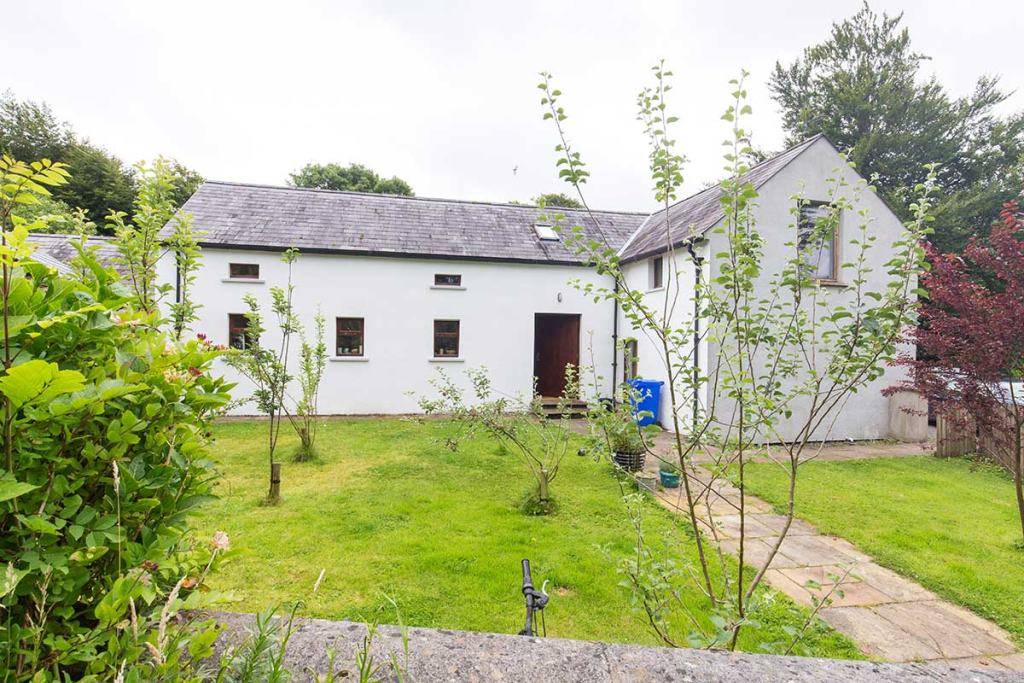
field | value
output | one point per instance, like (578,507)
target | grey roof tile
(698,213)
(270,217)
(59,248)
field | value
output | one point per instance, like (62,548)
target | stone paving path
(890,617)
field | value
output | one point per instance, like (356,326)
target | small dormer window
(546,232)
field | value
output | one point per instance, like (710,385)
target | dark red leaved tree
(972,340)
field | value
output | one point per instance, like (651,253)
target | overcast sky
(443,93)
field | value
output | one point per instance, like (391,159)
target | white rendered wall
(396,298)
(866,414)
(677,297)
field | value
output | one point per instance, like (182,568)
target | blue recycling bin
(649,399)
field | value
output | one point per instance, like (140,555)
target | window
(447,280)
(244,271)
(238,331)
(821,258)
(546,233)
(629,359)
(349,337)
(656,272)
(446,338)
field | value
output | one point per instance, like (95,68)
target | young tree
(312,363)
(863,87)
(521,425)
(971,340)
(351,178)
(268,369)
(789,354)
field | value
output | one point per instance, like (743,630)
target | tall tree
(558,200)
(351,178)
(100,182)
(863,88)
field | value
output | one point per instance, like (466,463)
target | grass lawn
(944,523)
(385,510)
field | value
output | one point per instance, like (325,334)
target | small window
(244,271)
(821,258)
(546,232)
(656,271)
(629,359)
(447,280)
(349,337)
(238,331)
(446,338)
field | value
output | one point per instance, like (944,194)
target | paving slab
(798,527)
(811,551)
(891,583)
(823,574)
(953,636)
(976,663)
(877,636)
(1014,662)
(728,526)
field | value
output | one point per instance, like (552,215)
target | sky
(443,94)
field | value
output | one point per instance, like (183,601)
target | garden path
(890,617)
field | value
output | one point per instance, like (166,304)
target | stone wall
(437,656)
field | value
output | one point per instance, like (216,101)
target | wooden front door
(556,343)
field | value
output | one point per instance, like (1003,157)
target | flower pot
(647,481)
(669,480)
(631,462)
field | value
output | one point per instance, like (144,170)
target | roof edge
(440,200)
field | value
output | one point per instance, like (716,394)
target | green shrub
(105,449)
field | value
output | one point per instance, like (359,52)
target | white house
(412,284)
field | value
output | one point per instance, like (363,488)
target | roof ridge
(375,195)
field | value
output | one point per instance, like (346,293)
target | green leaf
(39,381)
(12,488)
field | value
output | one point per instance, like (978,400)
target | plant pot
(669,480)
(631,462)
(647,481)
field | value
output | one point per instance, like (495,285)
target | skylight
(546,232)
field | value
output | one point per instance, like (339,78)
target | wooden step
(574,409)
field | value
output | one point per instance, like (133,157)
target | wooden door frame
(537,317)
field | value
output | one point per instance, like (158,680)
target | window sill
(456,288)
(441,359)
(349,359)
(245,280)
(656,289)
(831,283)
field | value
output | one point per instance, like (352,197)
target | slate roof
(698,213)
(59,248)
(324,221)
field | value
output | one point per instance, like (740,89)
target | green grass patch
(949,524)
(385,510)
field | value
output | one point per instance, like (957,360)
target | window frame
(233,276)
(233,329)
(457,335)
(833,277)
(339,333)
(439,283)
(656,273)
